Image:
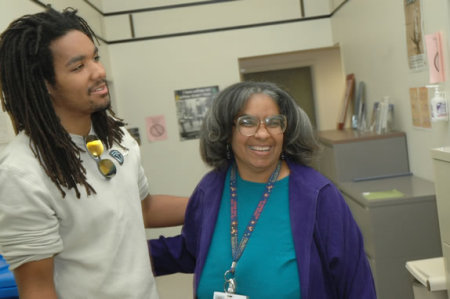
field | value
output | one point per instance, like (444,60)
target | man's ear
(49,87)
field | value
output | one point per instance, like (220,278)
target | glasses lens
(107,168)
(276,124)
(94,146)
(247,125)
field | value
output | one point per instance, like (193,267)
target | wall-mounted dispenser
(438,105)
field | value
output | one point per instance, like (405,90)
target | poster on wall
(420,111)
(135,133)
(192,105)
(414,35)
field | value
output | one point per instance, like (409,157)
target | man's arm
(163,210)
(35,280)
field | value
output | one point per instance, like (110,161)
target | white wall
(145,84)
(372,36)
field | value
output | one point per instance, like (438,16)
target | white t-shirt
(98,242)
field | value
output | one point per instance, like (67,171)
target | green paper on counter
(394,193)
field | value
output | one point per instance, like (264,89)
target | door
(296,81)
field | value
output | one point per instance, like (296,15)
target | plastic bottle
(438,105)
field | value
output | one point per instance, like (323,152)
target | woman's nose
(262,131)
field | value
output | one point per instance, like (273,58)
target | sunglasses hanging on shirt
(95,148)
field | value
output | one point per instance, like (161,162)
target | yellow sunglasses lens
(95,147)
(107,168)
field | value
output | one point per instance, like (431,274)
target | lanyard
(237,250)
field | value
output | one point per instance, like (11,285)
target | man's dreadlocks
(26,63)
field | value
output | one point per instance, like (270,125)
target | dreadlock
(26,63)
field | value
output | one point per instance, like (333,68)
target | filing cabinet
(398,225)
(441,165)
(395,229)
(348,155)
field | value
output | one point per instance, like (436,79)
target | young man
(73,195)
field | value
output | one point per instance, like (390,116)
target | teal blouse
(268,265)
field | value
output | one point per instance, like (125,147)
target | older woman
(263,224)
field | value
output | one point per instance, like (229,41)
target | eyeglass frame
(98,158)
(261,121)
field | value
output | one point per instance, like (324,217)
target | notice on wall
(420,108)
(156,128)
(192,105)
(435,55)
(414,35)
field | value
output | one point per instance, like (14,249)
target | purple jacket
(327,241)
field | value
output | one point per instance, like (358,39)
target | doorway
(296,81)
(314,77)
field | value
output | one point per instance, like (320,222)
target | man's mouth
(99,89)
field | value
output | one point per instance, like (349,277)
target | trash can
(429,278)
(8,287)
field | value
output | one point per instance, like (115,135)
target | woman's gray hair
(299,142)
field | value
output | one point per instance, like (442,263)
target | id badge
(222,295)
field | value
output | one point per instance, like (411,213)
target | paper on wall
(156,128)
(435,57)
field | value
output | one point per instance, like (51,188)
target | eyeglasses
(95,149)
(248,125)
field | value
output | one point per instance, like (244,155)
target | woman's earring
(283,156)
(228,151)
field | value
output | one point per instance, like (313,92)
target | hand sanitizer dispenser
(438,105)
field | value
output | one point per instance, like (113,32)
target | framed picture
(192,105)
(348,97)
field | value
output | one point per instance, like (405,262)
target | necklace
(237,250)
